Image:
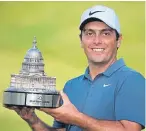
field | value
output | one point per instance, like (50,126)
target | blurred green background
(55,24)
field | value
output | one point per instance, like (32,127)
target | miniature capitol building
(32,87)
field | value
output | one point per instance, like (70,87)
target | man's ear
(81,44)
(119,41)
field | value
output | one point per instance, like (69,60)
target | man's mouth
(98,49)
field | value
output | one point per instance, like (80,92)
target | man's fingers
(18,110)
(47,110)
(64,98)
(8,107)
(21,110)
(15,108)
(31,109)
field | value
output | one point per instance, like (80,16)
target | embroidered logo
(91,13)
(105,85)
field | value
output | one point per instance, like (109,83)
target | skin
(98,61)
(101,60)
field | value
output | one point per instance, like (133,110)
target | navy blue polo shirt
(116,94)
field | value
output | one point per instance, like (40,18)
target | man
(109,96)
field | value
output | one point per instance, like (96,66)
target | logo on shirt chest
(106,85)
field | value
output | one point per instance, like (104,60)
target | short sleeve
(57,124)
(130,99)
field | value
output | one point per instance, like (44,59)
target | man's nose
(97,39)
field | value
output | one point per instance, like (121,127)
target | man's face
(99,42)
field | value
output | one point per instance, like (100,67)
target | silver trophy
(32,87)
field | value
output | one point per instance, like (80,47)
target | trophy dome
(33,61)
(34,51)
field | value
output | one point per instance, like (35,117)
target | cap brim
(87,21)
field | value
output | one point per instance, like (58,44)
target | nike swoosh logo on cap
(91,13)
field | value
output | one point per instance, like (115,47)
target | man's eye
(106,33)
(89,33)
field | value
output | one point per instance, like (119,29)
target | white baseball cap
(103,13)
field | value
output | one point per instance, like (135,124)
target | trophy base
(31,99)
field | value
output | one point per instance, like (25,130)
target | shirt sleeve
(130,100)
(57,124)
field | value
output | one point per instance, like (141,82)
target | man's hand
(25,113)
(67,113)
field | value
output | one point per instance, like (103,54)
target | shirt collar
(109,71)
(86,74)
(114,67)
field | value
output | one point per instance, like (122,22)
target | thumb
(64,98)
